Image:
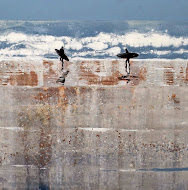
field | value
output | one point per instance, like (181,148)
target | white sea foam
(113,51)
(157,52)
(97,45)
(136,39)
(74,44)
(108,44)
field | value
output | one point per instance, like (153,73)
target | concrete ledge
(95,132)
(94,73)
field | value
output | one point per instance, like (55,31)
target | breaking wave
(150,44)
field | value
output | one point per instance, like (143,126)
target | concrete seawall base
(94,132)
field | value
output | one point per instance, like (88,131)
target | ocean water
(93,39)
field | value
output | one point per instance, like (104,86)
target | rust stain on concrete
(24,79)
(42,96)
(186,74)
(49,72)
(46,94)
(183,75)
(63,99)
(48,64)
(169,75)
(45,88)
(142,74)
(91,78)
(174,98)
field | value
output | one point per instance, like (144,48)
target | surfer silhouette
(127,56)
(62,55)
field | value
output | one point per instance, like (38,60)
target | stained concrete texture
(95,132)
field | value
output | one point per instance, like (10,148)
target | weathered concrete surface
(95,132)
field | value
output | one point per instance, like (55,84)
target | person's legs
(62,65)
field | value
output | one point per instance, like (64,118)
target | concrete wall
(95,132)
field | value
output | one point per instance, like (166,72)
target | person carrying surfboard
(62,55)
(127,55)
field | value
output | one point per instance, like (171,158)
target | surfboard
(62,55)
(57,51)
